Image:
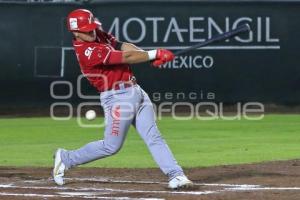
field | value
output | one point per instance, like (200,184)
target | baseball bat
(223,36)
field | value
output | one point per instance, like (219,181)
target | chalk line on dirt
(105,190)
(108,180)
(72,196)
(99,193)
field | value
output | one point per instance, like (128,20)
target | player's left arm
(125,46)
(132,54)
(118,45)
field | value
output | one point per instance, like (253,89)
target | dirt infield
(267,181)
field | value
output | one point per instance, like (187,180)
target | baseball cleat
(180,182)
(59,168)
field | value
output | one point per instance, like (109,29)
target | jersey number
(88,52)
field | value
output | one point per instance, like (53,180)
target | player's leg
(114,136)
(119,113)
(147,128)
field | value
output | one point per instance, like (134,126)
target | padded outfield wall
(261,66)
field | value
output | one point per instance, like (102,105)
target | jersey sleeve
(94,55)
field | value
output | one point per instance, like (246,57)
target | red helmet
(82,20)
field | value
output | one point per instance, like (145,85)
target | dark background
(32,36)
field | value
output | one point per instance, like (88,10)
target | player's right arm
(140,56)
(93,55)
(128,53)
(161,55)
(129,47)
(131,54)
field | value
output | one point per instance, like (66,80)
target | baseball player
(105,62)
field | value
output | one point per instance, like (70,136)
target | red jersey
(93,57)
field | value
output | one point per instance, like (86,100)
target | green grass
(32,141)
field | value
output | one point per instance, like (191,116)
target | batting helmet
(82,20)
